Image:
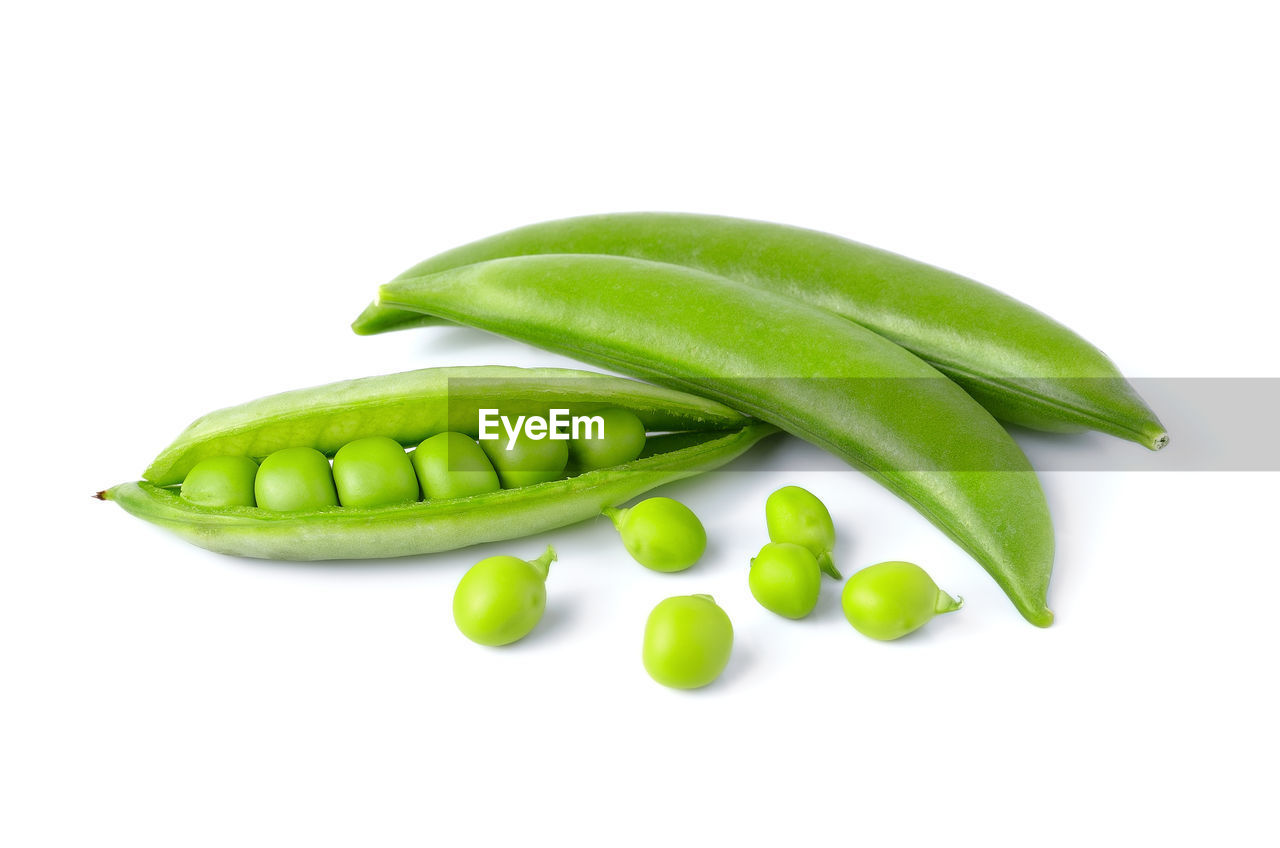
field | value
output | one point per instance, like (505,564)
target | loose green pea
(796,515)
(221,481)
(891,599)
(529,461)
(622,441)
(374,471)
(452,465)
(295,480)
(502,598)
(687,641)
(660,533)
(785,579)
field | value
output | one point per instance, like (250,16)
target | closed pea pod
(811,373)
(1023,366)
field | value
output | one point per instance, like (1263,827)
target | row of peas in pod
(688,639)
(376,471)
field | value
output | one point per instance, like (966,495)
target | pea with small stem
(660,533)
(796,515)
(891,599)
(501,599)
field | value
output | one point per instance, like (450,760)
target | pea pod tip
(1041,618)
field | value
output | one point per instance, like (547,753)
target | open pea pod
(409,407)
(435,525)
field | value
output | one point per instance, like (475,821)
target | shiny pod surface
(812,373)
(1022,365)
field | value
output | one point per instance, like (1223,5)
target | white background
(197,199)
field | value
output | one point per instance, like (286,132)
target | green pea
(622,440)
(785,579)
(891,599)
(221,481)
(660,533)
(374,471)
(502,598)
(452,465)
(295,480)
(529,461)
(795,515)
(687,641)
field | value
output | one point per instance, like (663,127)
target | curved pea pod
(811,373)
(413,405)
(434,525)
(1023,366)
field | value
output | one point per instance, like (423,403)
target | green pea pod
(1023,366)
(434,525)
(810,372)
(413,405)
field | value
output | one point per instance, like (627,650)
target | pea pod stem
(615,514)
(1022,365)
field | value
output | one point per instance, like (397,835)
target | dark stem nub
(102,496)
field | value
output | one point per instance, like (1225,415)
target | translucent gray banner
(1214,424)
